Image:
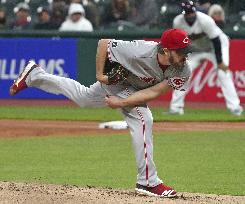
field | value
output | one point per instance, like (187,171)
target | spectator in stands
(3,19)
(145,13)
(44,22)
(22,17)
(168,10)
(58,12)
(76,1)
(76,20)
(91,10)
(240,25)
(203,6)
(218,14)
(116,12)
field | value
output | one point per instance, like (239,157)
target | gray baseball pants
(139,119)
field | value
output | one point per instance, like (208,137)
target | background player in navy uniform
(212,44)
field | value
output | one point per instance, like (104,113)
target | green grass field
(208,162)
(107,114)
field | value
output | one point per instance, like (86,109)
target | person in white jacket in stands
(76,20)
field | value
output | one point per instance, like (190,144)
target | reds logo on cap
(186,40)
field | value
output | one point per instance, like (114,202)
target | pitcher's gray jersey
(140,58)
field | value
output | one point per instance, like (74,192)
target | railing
(101,34)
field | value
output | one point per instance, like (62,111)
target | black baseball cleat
(160,190)
(20,83)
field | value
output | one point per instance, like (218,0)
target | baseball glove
(115,72)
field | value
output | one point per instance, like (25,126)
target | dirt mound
(49,193)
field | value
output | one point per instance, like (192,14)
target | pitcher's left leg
(140,121)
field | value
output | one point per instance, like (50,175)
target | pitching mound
(40,193)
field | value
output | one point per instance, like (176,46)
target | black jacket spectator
(44,17)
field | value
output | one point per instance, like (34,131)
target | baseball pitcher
(129,74)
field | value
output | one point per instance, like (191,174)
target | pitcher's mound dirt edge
(49,193)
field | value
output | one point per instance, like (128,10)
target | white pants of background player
(139,119)
(224,77)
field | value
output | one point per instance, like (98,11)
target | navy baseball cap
(188,7)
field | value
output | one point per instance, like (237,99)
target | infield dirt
(36,128)
(41,193)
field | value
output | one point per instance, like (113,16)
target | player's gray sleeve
(121,51)
(125,52)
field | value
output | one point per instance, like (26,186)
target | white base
(117,125)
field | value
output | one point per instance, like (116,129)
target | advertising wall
(75,58)
(56,56)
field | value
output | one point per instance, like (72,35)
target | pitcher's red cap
(176,39)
